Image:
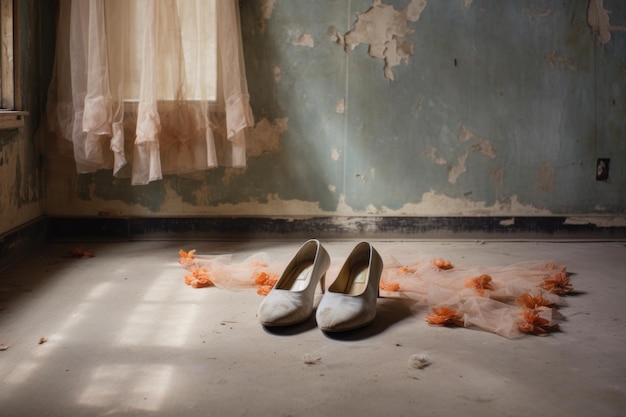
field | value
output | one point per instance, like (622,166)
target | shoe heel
(323,283)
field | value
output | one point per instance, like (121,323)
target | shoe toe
(340,313)
(282,308)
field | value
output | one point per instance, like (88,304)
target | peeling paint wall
(21,169)
(408,108)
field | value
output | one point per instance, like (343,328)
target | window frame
(11,115)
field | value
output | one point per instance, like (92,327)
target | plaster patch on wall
(598,20)
(433,204)
(553,59)
(467,3)
(432,153)
(335,154)
(273,207)
(371,209)
(277,73)
(384,29)
(267,7)
(340,105)
(332,188)
(464,134)
(304,40)
(265,136)
(486,148)
(483,146)
(458,169)
(546,176)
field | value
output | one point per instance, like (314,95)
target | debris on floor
(419,360)
(310,359)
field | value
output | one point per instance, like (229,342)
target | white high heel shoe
(291,299)
(350,301)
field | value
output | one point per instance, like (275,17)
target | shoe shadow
(389,312)
(293,329)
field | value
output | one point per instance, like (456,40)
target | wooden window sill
(11,119)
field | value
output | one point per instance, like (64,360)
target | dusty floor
(125,336)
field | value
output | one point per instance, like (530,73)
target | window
(181,43)
(10,100)
(147,88)
(7,76)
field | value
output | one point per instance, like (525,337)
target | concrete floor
(125,336)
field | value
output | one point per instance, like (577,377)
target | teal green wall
(500,108)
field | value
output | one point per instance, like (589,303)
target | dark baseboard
(226,228)
(20,242)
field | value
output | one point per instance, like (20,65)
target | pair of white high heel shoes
(348,303)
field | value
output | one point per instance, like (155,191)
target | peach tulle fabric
(508,300)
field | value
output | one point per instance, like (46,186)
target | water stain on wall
(553,59)
(19,191)
(496,176)
(546,176)
(533,13)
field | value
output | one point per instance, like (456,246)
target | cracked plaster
(385,29)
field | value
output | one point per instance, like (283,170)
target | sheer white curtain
(147,87)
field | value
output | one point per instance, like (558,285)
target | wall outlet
(602,169)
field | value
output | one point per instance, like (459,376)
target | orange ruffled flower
(405,270)
(552,267)
(199,278)
(480,284)
(389,286)
(532,302)
(186,258)
(443,264)
(533,323)
(444,316)
(265,282)
(559,284)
